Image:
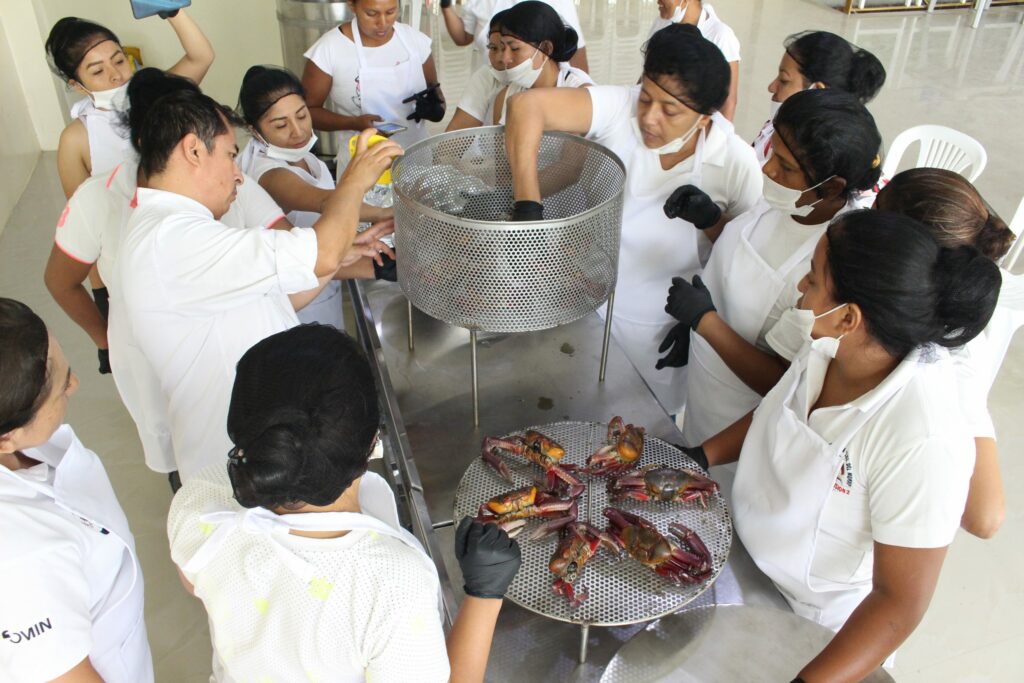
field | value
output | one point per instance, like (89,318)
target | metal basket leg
(476,383)
(607,334)
(411,344)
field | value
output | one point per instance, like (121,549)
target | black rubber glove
(104,356)
(102,298)
(428,105)
(167,14)
(528,211)
(692,204)
(445,4)
(678,340)
(689,303)
(696,454)
(388,271)
(488,557)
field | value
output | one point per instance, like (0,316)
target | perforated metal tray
(622,591)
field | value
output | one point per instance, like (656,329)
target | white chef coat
(326,308)
(109,140)
(393,69)
(198,294)
(713,29)
(90,230)
(72,585)
(752,276)
(477,15)
(362,607)
(654,249)
(815,490)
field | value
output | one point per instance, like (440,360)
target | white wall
(19,148)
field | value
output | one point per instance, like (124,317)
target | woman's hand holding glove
(489,559)
(693,205)
(428,103)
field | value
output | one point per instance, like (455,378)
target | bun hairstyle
(303,418)
(535,23)
(831,134)
(911,291)
(262,87)
(70,40)
(689,67)
(824,57)
(24,379)
(949,204)
(144,90)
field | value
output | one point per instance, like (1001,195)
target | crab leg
(489,454)
(556,472)
(553,525)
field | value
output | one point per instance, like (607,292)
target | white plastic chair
(1017,227)
(941,147)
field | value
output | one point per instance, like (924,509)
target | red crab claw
(489,454)
(557,476)
(692,541)
(620,519)
(561,516)
(576,597)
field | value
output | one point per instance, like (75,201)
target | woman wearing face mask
(334,589)
(372,69)
(472,27)
(89,58)
(72,590)
(947,203)
(818,60)
(703,16)
(826,146)
(529,47)
(686,169)
(853,472)
(278,156)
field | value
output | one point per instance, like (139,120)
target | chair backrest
(941,147)
(1017,227)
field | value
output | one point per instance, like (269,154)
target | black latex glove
(488,557)
(104,356)
(678,340)
(388,271)
(689,303)
(428,105)
(528,211)
(445,4)
(102,298)
(167,14)
(692,204)
(696,453)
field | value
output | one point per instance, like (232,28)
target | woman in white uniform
(826,151)
(473,26)
(72,589)
(818,60)
(687,172)
(372,69)
(703,16)
(947,203)
(278,156)
(529,47)
(335,589)
(854,470)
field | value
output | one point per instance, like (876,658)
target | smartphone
(389,129)
(147,8)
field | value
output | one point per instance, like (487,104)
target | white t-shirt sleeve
(611,105)
(916,495)
(258,207)
(208,489)
(479,93)
(214,267)
(725,40)
(323,51)
(47,627)
(421,45)
(79,233)
(745,180)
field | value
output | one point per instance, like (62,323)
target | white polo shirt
(198,295)
(712,28)
(370,613)
(477,15)
(906,472)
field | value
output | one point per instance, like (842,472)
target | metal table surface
(525,379)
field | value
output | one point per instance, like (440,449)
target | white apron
(109,142)
(784,478)
(382,89)
(120,647)
(744,288)
(654,249)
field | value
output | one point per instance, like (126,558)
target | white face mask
(672,146)
(678,12)
(785,198)
(500,76)
(524,75)
(793,330)
(291,154)
(773,108)
(115,99)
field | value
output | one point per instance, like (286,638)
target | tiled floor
(940,71)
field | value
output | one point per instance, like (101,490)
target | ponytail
(968,285)
(144,90)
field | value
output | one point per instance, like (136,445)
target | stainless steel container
(462,262)
(302,22)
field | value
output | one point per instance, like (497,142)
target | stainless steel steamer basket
(462,262)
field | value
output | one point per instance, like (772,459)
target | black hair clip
(237,456)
